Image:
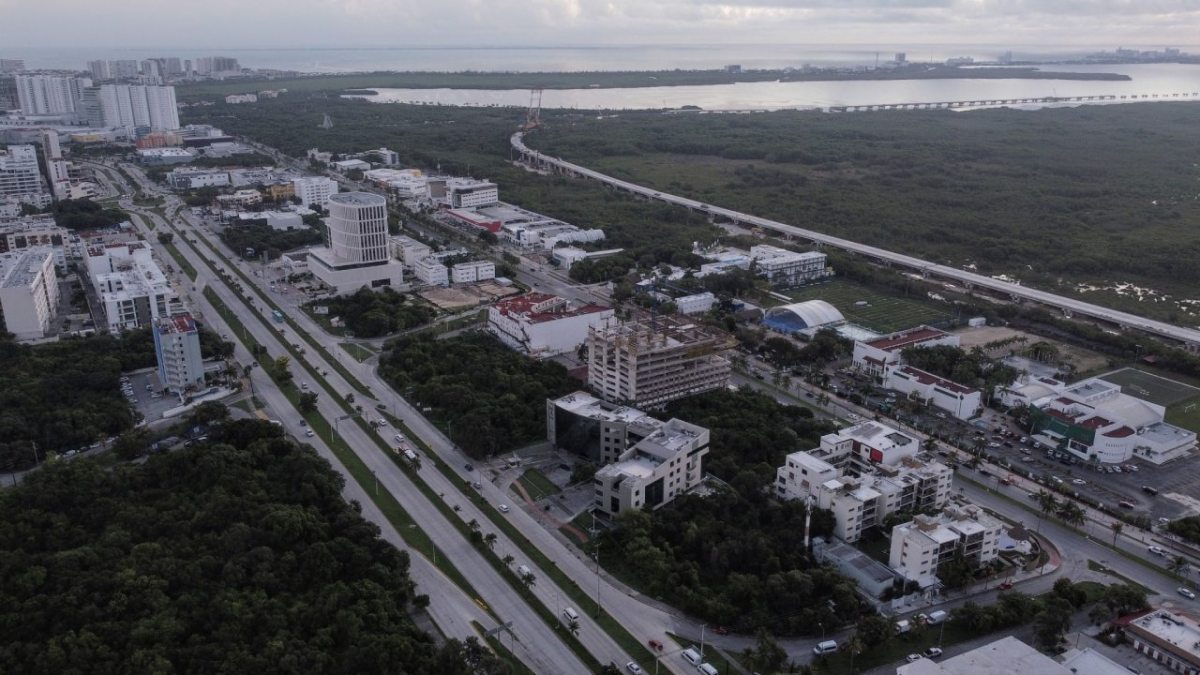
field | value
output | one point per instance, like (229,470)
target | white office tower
(314,190)
(100,70)
(136,105)
(57,168)
(177,350)
(28,292)
(357,245)
(19,174)
(49,94)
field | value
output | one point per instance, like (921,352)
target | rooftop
(931,379)
(358,199)
(909,338)
(19,268)
(1177,631)
(180,323)
(1003,657)
(584,404)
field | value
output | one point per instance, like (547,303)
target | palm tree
(474,525)
(507,560)
(573,626)
(1116,526)
(490,540)
(1047,502)
(1070,513)
(855,646)
(529,580)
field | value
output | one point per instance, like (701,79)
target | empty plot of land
(460,297)
(871,309)
(1153,388)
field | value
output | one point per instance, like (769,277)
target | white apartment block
(962,402)
(192,179)
(649,363)
(860,502)
(33,231)
(874,357)
(866,445)
(19,173)
(431,272)
(49,94)
(409,250)
(242,98)
(466,193)
(541,325)
(132,288)
(138,105)
(789,268)
(695,304)
(471,272)
(177,351)
(28,292)
(314,190)
(653,472)
(920,546)
(405,183)
(358,253)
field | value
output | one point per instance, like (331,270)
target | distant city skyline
(271,24)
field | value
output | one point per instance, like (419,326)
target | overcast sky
(396,23)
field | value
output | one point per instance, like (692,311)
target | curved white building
(802,316)
(357,251)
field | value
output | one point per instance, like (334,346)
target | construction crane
(533,116)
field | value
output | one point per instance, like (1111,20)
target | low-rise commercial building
(789,268)
(873,357)
(471,272)
(653,472)
(240,198)
(193,179)
(594,429)
(468,193)
(1169,637)
(348,165)
(649,363)
(962,402)
(28,292)
(803,317)
(409,250)
(695,304)
(431,272)
(177,352)
(241,98)
(541,325)
(919,547)
(164,156)
(404,183)
(1009,655)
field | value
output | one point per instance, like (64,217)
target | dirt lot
(1084,360)
(461,297)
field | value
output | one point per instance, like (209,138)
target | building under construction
(649,362)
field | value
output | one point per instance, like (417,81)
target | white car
(1187,593)
(634,668)
(912,658)
(503,508)
(382,422)
(1157,550)
(310,433)
(1079,481)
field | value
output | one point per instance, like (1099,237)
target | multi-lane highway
(1187,336)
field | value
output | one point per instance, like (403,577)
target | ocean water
(558,58)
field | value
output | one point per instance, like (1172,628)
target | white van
(570,614)
(691,656)
(708,669)
(936,617)
(826,647)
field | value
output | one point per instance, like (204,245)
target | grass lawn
(1153,388)
(359,352)
(1097,567)
(537,485)
(882,313)
(895,649)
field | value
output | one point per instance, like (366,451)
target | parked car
(933,652)
(1150,490)
(912,658)
(1006,585)
(1079,481)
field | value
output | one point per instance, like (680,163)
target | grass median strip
(497,646)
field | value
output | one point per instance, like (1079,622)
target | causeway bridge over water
(994,102)
(1187,337)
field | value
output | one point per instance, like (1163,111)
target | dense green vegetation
(1188,528)
(370,313)
(63,395)
(261,237)
(85,214)
(236,556)
(465,141)
(737,557)
(968,368)
(491,398)
(1037,195)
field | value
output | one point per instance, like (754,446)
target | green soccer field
(879,312)
(1157,390)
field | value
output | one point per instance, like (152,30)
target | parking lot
(142,389)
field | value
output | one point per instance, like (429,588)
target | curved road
(1188,336)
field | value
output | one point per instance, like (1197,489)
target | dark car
(469,467)
(1149,490)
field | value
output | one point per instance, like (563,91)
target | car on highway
(1187,593)
(1078,481)
(310,433)
(469,467)
(634,668)
(502,508)
(1157,550)
(381,406)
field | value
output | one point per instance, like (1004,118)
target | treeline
(261,237)
(492,398)
(370,313)
(85,214)
(737,557)
(968,368)
(1188,528)
(239,555)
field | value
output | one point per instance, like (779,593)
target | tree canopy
(85,214)
(371,313)
(235,556)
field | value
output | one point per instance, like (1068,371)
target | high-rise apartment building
(100,70)
(131,105)
(8,93)
(12,65)
(650,362)
(209,65)
(28,292)
(49,94)
(314,190)
(177,350)
(19,171)
(123,69)
(357,251)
